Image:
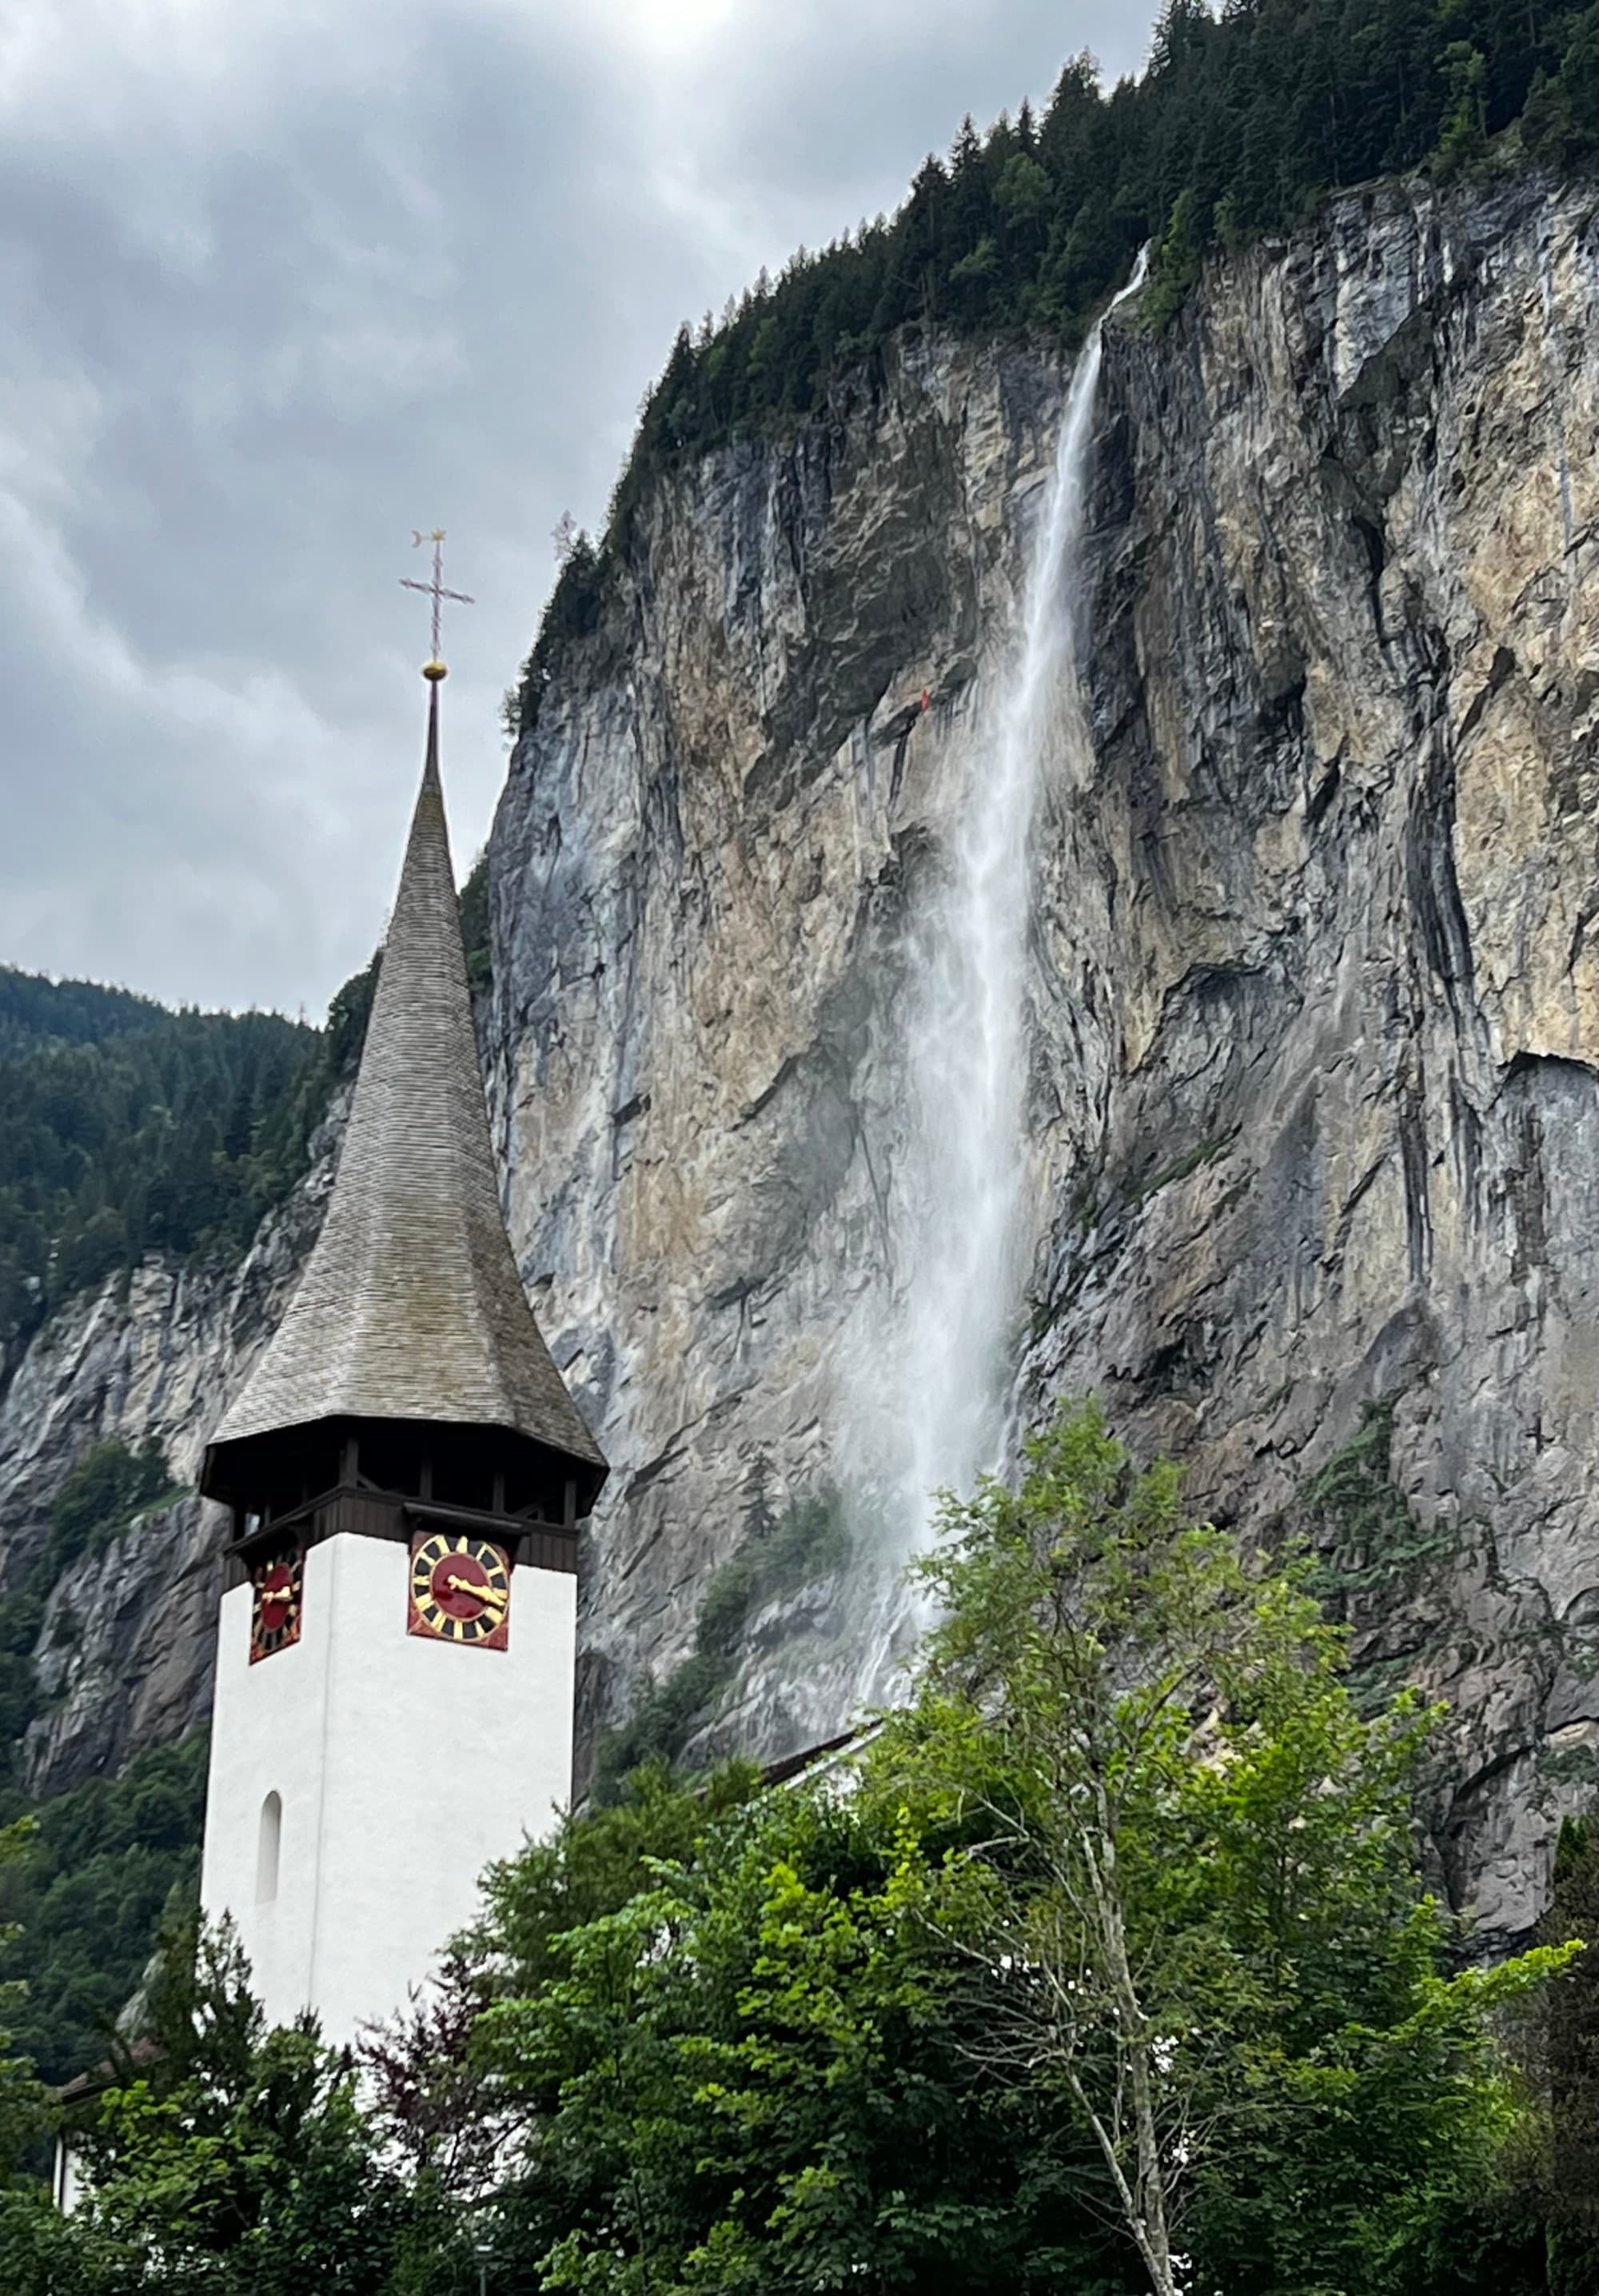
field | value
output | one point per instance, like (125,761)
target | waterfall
(940,1347)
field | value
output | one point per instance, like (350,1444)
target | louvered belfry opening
(408,1380)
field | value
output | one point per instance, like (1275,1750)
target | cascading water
(938,1346)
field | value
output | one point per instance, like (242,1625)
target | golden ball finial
(434,671)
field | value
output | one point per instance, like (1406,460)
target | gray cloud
(278,283)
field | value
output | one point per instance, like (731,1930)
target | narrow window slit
(270,1849)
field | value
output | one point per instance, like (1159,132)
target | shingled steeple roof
(411,1306)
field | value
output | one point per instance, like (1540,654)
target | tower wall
(403,1767)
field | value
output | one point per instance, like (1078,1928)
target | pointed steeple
(411,1308)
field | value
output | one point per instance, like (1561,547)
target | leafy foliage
(1360,1523)
(1566,2038)
(100,1495)
(1241,122)
(572,612)
(752,2076)
(20,2098)
(1194,1910)
(227,2158)
(106,1862)
(1114,1971)
(437,2110)
(595,1864)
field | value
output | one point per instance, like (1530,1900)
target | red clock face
(460,1591)
(275,1608)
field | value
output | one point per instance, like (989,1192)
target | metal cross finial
(435,590)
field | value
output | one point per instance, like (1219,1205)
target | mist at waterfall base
(935,1348)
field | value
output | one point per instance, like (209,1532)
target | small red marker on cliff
(926,700)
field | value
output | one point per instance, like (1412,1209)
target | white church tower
(406,1473)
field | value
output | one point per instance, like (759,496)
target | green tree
(1567,2067)
(593,1865)
(38,2254)
(1463,144)
(1193,1908)
(234,2159)
(1560,121)
(107,1858)
(21,2098)
(1113,1966)
(1177,262)
(751,2076)
(103,1492)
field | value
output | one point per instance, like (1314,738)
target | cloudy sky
(281,280)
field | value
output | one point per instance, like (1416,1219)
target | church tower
(406,1473)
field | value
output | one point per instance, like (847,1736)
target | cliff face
(1311,1124)
(1346,709)
(124,1655)
(704,869)
(1346,705)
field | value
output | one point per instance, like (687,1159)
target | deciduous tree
(1192,1905)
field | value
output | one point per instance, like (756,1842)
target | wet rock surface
(1341,1153)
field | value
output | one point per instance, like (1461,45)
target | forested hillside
(1242,123)
(125,1128)
(36,1011)
(105,1863)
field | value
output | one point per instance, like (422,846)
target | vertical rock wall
(1313,1103)
(1344,1152)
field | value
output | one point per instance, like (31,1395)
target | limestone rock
(1313,1113)
(1313,1085)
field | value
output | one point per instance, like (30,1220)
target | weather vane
(435,590)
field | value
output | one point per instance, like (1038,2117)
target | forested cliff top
(1241,124)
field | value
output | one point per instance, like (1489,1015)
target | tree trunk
(1144,2203)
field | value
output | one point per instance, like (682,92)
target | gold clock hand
(479,1593)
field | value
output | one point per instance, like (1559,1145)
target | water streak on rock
(943,1328)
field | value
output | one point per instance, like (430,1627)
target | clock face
(275,1610)
(460,1591)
